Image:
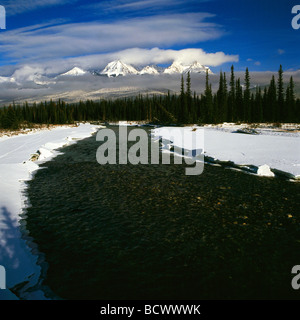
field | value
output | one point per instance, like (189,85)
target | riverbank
(16,167)
(262,149)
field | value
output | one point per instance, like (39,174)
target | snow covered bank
(269,152)
(15,168)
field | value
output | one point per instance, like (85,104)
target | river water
(151,232)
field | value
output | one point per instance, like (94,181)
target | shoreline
(269,152)
(16,168)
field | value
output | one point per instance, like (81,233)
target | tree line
(234,101)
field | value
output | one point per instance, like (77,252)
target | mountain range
(27,75)
(118,68)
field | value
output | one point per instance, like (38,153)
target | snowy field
(15,168)
(269,151)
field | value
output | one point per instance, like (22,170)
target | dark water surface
(150,232)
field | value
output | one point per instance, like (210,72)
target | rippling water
(150,232)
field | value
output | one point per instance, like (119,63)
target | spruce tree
(189,98)
(183,112)
(225,98)
(272,105)
(219,101)
(281,114)
(258,114)
(208,100)
(239,101)
(247,95)
(290,101)
(231,97)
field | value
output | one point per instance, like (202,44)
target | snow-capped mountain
(149,70)
(26,75)
(197,67)
(118,68)
(74,72)
(179,67)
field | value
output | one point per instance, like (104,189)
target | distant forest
(234,101)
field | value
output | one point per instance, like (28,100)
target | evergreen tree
(183,113)
(239,101)
(258,106)
(247,96)
(231,97)
(290,101)
(189,98)
(9,120)
(208,100)
(235,105)
(225,98)
(221,102)
(280,114)
(272,105)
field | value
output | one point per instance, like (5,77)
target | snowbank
(265,153)
(15,168)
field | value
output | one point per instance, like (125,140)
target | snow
(265,171)
(118,68)
(15,168)
(180,67)
(268,150)
(74,72)
(149,70)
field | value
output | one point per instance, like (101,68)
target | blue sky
(60,33)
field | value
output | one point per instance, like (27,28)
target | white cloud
(27,72)
(137,5)
(74,39)
(14,7)
(159,56)
(256,63)
(280,51)
(136,56)
(142,4)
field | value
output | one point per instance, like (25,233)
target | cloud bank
(41,42)
(14,7)
(136,56)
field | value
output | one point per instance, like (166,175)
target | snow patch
(249,152)
(265,171)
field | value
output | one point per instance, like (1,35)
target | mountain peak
(118,68)
(181,67)
(149,70)
(74,72)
